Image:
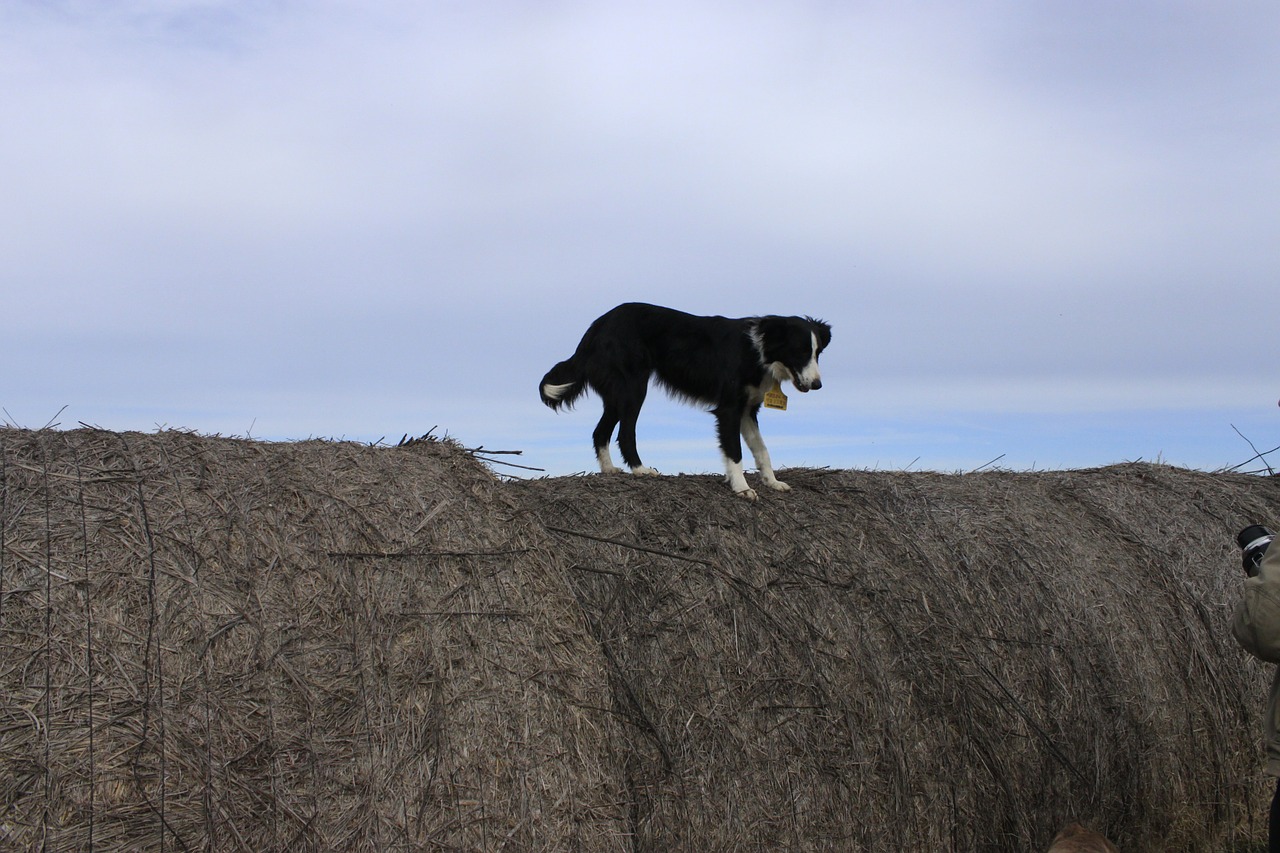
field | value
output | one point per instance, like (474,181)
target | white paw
(778,485)
(749,494)
(645,471)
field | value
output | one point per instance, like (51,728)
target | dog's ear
(822,330)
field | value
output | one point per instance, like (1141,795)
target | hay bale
(227,644)
(894,661)
(219,644)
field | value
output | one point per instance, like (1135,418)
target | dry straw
(218,644)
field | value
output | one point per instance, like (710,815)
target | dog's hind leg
(628,414)
(728,431)
(751,432)
(600,439)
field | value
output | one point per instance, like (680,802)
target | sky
(1045,233)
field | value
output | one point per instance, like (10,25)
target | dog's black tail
(563,384)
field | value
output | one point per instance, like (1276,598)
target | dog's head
(789,348)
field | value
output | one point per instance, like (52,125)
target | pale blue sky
(1042,230)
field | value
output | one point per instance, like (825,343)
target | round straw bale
(212,643)
(918,661)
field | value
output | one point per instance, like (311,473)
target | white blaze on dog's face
(809,377)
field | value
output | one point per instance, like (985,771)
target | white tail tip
(555,392)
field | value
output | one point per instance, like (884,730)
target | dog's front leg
(737,481)
(751,432)
(727,429)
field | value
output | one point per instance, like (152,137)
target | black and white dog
(723,363)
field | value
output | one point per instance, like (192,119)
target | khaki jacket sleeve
(1256,621)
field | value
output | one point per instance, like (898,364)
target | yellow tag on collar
(775,399)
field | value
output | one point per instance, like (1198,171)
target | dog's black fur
(727,364)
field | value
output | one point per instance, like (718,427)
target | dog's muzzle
(805,389)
